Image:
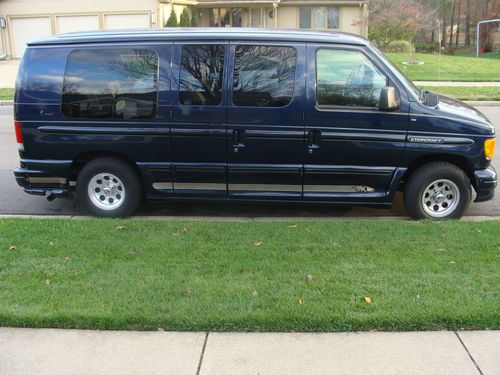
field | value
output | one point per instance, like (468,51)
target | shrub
(194,20)
(185,21)
(450,51)
(172,19)
(426,47)
(400,46)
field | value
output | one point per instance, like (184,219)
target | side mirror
(389,100)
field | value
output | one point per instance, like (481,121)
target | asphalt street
(14,201)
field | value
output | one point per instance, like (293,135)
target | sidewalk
(55,351)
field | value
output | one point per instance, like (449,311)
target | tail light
(19,135)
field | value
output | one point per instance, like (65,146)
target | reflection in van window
(110,84)
(263,76)
(347,78)
(200,81)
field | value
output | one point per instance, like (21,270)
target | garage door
(27,29)
(70,24)
(127,21)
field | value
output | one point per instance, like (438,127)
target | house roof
(202,34)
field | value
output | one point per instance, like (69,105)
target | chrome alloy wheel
(106,191)
(440,198)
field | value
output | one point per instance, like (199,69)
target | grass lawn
(453,68)
(250,276)
(6,93)
(467,93)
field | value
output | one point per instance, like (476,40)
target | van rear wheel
(108,187)
(437,191)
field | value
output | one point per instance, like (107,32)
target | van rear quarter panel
(50,135)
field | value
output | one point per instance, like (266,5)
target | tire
(437,191)
(108,187)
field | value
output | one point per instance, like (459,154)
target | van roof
(172,34)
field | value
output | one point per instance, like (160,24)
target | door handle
(312,140)
(237,138)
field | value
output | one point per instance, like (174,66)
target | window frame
(388,81)
(232,71)
(177,75)
(111,48)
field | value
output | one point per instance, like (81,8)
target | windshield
(413,90)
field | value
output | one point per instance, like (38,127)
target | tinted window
(110,84)
(200,81)
(347,78)
(263,76)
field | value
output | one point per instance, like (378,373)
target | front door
(352,148)
(265,120)
(198,120)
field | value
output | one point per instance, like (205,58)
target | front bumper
(486,182)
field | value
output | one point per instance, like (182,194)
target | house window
(319,17)
(224,17)
(333,18)
(236,17)
(305,17)
(256,20)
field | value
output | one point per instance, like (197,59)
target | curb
(5,103)
(239,219)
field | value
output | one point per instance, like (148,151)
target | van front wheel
(437,191)
(108,187)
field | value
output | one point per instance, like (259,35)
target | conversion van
(241,115)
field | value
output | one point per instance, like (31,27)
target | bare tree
(467,23)
(397,19)
(459,14)
(451,22)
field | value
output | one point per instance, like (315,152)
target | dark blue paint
(299,144)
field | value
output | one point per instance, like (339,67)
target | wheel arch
(84,158)
(457,160)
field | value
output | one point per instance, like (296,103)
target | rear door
(198,119)
(265,120)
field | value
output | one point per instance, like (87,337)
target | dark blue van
(241,115)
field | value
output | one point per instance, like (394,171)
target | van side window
(111,84)
(347,78)
(200,81)
(263,76)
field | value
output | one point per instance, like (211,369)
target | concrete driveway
(14,201)
(8,72)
